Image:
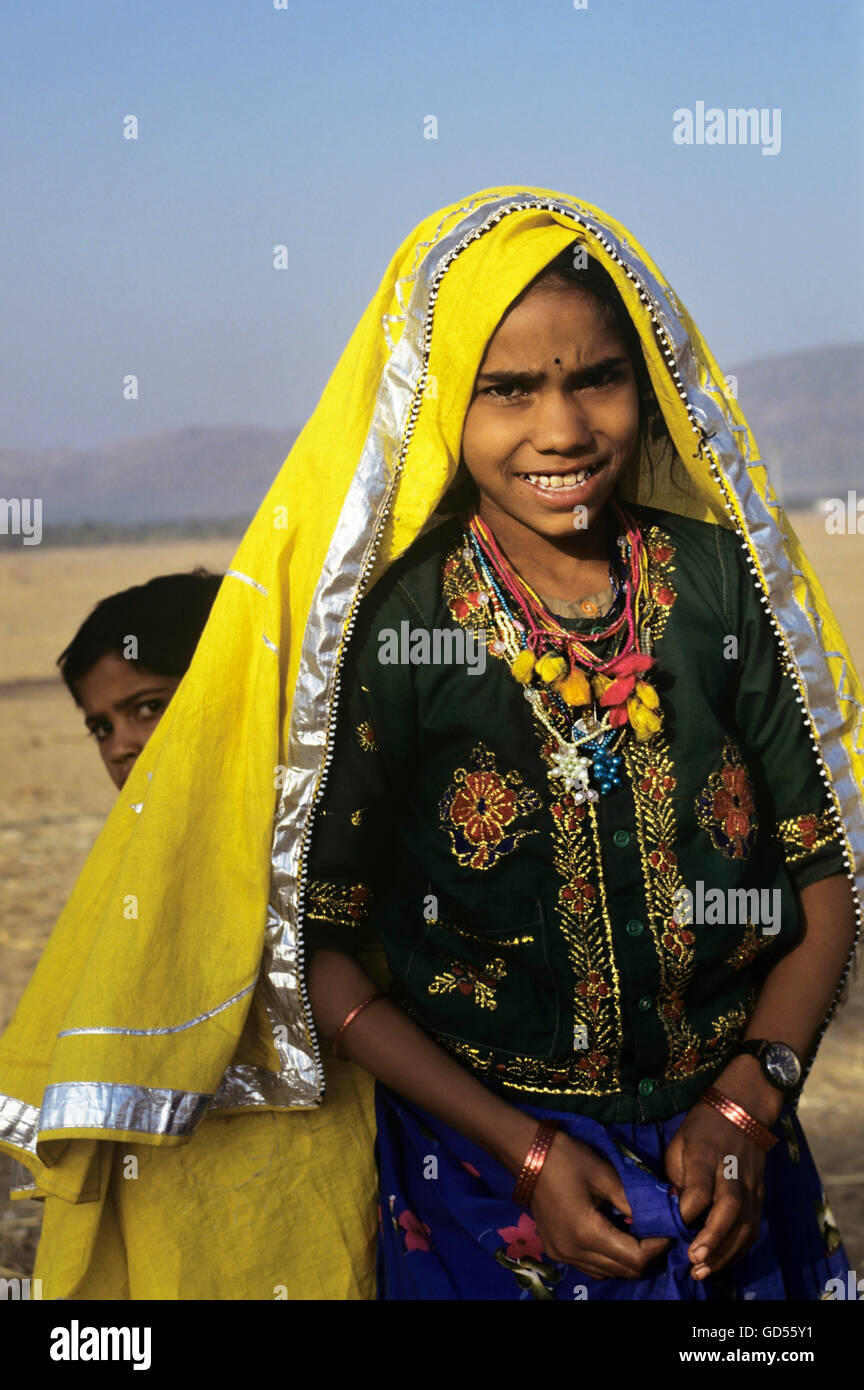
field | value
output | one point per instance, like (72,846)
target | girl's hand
(697,1162)
(573,1182)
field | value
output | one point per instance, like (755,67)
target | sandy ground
(57,793)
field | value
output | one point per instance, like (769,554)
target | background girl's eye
(150,707)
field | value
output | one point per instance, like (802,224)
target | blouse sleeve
(772,725)
(351,843)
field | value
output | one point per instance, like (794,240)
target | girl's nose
(560,424)
(127,741)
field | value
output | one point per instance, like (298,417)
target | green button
(621,837)
(646,1002)
(646,1086)
(634,927)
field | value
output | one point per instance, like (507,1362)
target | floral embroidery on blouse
(725,807)
(338,904)
(478,810)
(802,835)
(357,816)
(476,982)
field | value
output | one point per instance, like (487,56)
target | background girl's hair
(165,615)
(654,437)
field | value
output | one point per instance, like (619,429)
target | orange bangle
(535,1158)
(738,1116)
(379,994)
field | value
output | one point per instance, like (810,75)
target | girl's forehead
(573,318)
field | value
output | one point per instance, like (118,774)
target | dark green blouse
(544,943)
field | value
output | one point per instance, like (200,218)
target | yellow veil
(161,1078)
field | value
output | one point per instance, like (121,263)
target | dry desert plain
(57,794)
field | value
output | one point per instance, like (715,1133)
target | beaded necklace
(558,669)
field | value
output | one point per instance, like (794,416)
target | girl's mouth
(562,489)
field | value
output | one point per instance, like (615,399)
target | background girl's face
(122,703)
(554,416)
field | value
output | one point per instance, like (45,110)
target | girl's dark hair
(166,616)
(596,280)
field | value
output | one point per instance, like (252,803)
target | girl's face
(122,705)
(555,413)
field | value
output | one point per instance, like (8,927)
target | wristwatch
(780,1063)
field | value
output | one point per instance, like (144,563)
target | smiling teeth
(555,480)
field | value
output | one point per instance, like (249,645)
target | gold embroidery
(584,921)
(339,904)
(650,768)
(661,553)
(366,737)
(479,807)
(651,773)
(489,940)
(567,1077)
(478,982)
(357,816)
(725,806)
(461,586)
(803,835)
(748,948)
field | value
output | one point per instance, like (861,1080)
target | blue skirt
(448,1228)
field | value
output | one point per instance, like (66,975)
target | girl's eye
(148,708)
(497,392)
(100,732)
(606,377)
(514,391)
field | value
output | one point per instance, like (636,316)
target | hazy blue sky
(304,126)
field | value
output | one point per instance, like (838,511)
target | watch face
(782,1065)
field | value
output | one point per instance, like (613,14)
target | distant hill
(806,410)
(198,473)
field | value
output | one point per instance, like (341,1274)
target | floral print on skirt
(450,1230)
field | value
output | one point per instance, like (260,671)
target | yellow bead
(574,688)
(645,722)
(647,694)
(523,667)
(549,668)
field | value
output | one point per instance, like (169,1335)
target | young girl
(123,699)
(582,763)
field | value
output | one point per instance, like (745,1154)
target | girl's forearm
(384,1041)
(796,995)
